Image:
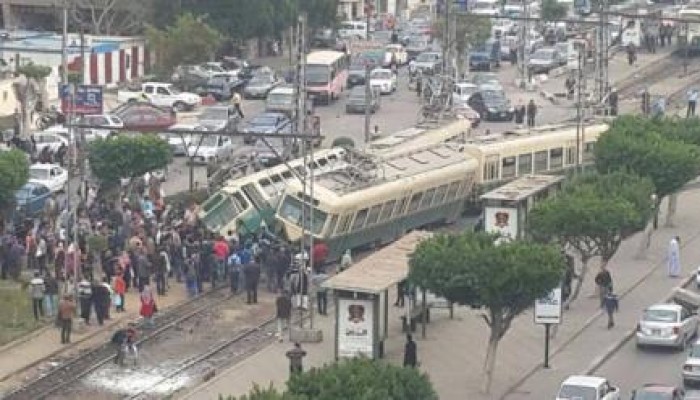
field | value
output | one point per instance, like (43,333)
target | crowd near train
(367,198)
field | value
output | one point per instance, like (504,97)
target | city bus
(326,74)
(689,33)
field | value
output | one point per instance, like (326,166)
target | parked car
(324,38)
(566,52)
(357,100)
(399,53)
(492,105)
(273,151)
(282,99)
(210,148)
(353,30)
(222,87)
(356,73)
(145,117)
(235,65)
(267,122)
(415,45)
(463,91)
(691,367)
(587,388)
(260,85)
(30,200)
(104,121)
(544,60)
(479,61)
(466,112)
(218,68)
(53,176)
(384,79)
(668,325)
(428,62)
(653,391)
(161,95)
(216,118)
(483,78)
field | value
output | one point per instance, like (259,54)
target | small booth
(506,208)
(361,295)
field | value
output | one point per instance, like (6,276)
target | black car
(356,74)
(267,122)
(357,100)
(492,105)
(479,61)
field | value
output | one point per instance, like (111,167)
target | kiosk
(506,208)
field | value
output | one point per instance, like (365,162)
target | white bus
(326,74)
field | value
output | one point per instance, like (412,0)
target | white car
(691,367)
(217,68)
(103,120)
(399,52)
(210,148)
(462,92)
(668,325)
(383,79)
(53,176)
(587,387)
(52,138)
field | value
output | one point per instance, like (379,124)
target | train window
(556,158)
(440,195)
(508,167)
(360,219)
(400,207)
(452,191)
(491,169)
(588,151)
(571,155)
(276,178)
(331,225)
(344,224)
(287,175)
(524,164)
(465,187)
(373,215)
(322,162)
(332,158)
(541,161)
(240,200)
(387,210)
(414,203)
(427,198)
(255,197)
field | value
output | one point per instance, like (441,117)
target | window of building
(360,219)
(524,164)
(508,167)
(556,158)
(541,160)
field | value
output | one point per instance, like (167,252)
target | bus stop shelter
(362,299)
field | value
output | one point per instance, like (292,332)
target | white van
(353,30)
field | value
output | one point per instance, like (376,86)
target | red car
(145,117)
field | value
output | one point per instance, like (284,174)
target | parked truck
(161,95)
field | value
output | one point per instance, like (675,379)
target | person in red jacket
(148,305)
(221,251)
(319,253)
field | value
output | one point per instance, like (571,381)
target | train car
(243,204)
(545,149)
(381,199)
(689,32)
(417,137)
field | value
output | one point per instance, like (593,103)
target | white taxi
(383,79)
(53,176)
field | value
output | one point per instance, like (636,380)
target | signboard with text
(355,328)
(81,99)
(548,308)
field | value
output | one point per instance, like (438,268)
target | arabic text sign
(548,309)
(85,99)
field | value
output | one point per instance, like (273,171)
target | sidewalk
(24,359)
(454,350)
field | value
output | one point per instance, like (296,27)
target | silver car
(667,325)
(544,60)
(691,367)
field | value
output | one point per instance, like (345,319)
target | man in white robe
(674,257)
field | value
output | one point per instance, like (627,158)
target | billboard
(548,309)
(81,99)
(503,221)
(355,328)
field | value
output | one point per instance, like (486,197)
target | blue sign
(81,99)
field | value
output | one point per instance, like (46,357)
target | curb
(512,388)
(611,350)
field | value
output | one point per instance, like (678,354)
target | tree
(358,378)
(553,10)
(645,148)
(14,172)
(112,17)
(470,31)
(592,215)
(120,157)
(189,41)
(505,279)
(27,88)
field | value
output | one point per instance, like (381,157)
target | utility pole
(523,57)
(368,70)
(601,87)
(64,44)
(579,106)
(446,37)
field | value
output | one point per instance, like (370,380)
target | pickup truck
(161,95)
(587,387)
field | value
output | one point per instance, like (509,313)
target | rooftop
(529,133)
(523,187)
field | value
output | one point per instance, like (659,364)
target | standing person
(252,278)
(611,304)
(296,356)
(85,297)
(148,306)
(674,257)
(236,100)
(646,102)
(520,112)
(66,310)
(101,299)
(41,254)
(400,293)
(221,251)
(692,102)
(570,84)
(321,292)
(283,304)
(631,54)
(410,352)
(346,260)
(604,284)
(531,113)
(234,273)
(50,295)
(161,269)
(119,291)
(613,100)
(37,290)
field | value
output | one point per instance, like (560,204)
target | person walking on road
(410,352)
(237,100)
(252,278)
(531,113)
(296,356)
(674,257)
(66,309)
(85,296)
(148,306)
(284,313)
(37,290)
(50,295)
(611,304)
(692,102)
(604,284)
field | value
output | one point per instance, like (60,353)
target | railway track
(81,365)
(648,75)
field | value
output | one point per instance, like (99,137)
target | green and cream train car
(542,150)
(354,208)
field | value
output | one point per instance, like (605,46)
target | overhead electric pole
(64,44)
(602,44)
